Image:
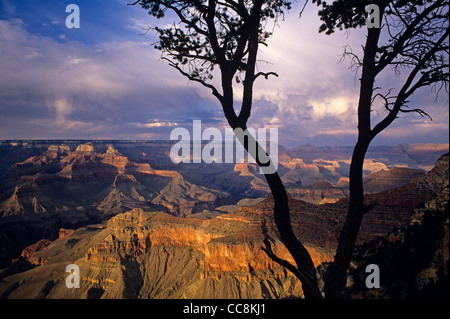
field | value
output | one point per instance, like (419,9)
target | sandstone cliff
(155,255)
(141,257)
(320,192)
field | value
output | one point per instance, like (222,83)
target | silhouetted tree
(221,37)
(413,41)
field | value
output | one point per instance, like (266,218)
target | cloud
(139,24)
(157,123)
(62,109)
(69,89)
(56,87)
(315,97)
(313,90)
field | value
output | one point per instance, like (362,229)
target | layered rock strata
(140,254)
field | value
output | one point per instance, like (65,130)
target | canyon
(139,226)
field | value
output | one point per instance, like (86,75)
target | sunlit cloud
(62,109)
(157,124)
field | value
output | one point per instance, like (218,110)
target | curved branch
(265,75)
(387,58)
(422,113)
(407,90)
(280,261)
(215,92)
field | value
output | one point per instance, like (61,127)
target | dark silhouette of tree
(221,38)
(412,40)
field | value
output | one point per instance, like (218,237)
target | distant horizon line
(172,142)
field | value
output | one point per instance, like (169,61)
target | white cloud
(312,87)
(157,124)
(316,93)
(141,25)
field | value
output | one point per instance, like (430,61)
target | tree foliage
(215,33)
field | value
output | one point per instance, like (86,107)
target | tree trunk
(336,277)
(282,217)
(283,222)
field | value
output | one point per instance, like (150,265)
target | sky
(105,80)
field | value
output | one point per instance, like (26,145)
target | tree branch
(266,75)
(405,92)
(215,92)
(422,113)
(280,261)
(209,19)
(253,40)
(398,47)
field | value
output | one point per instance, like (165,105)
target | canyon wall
(151,254)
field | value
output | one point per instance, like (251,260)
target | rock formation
(320,192)
(64,188)
(183,198)
(29,253)
(151,254)
(389,179)
(155,255)
(52,200)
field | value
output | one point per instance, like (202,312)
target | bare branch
(280,261)
(303,9)
(266,75)
(191,77)
(407,90)
(408,33)
(422,113)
